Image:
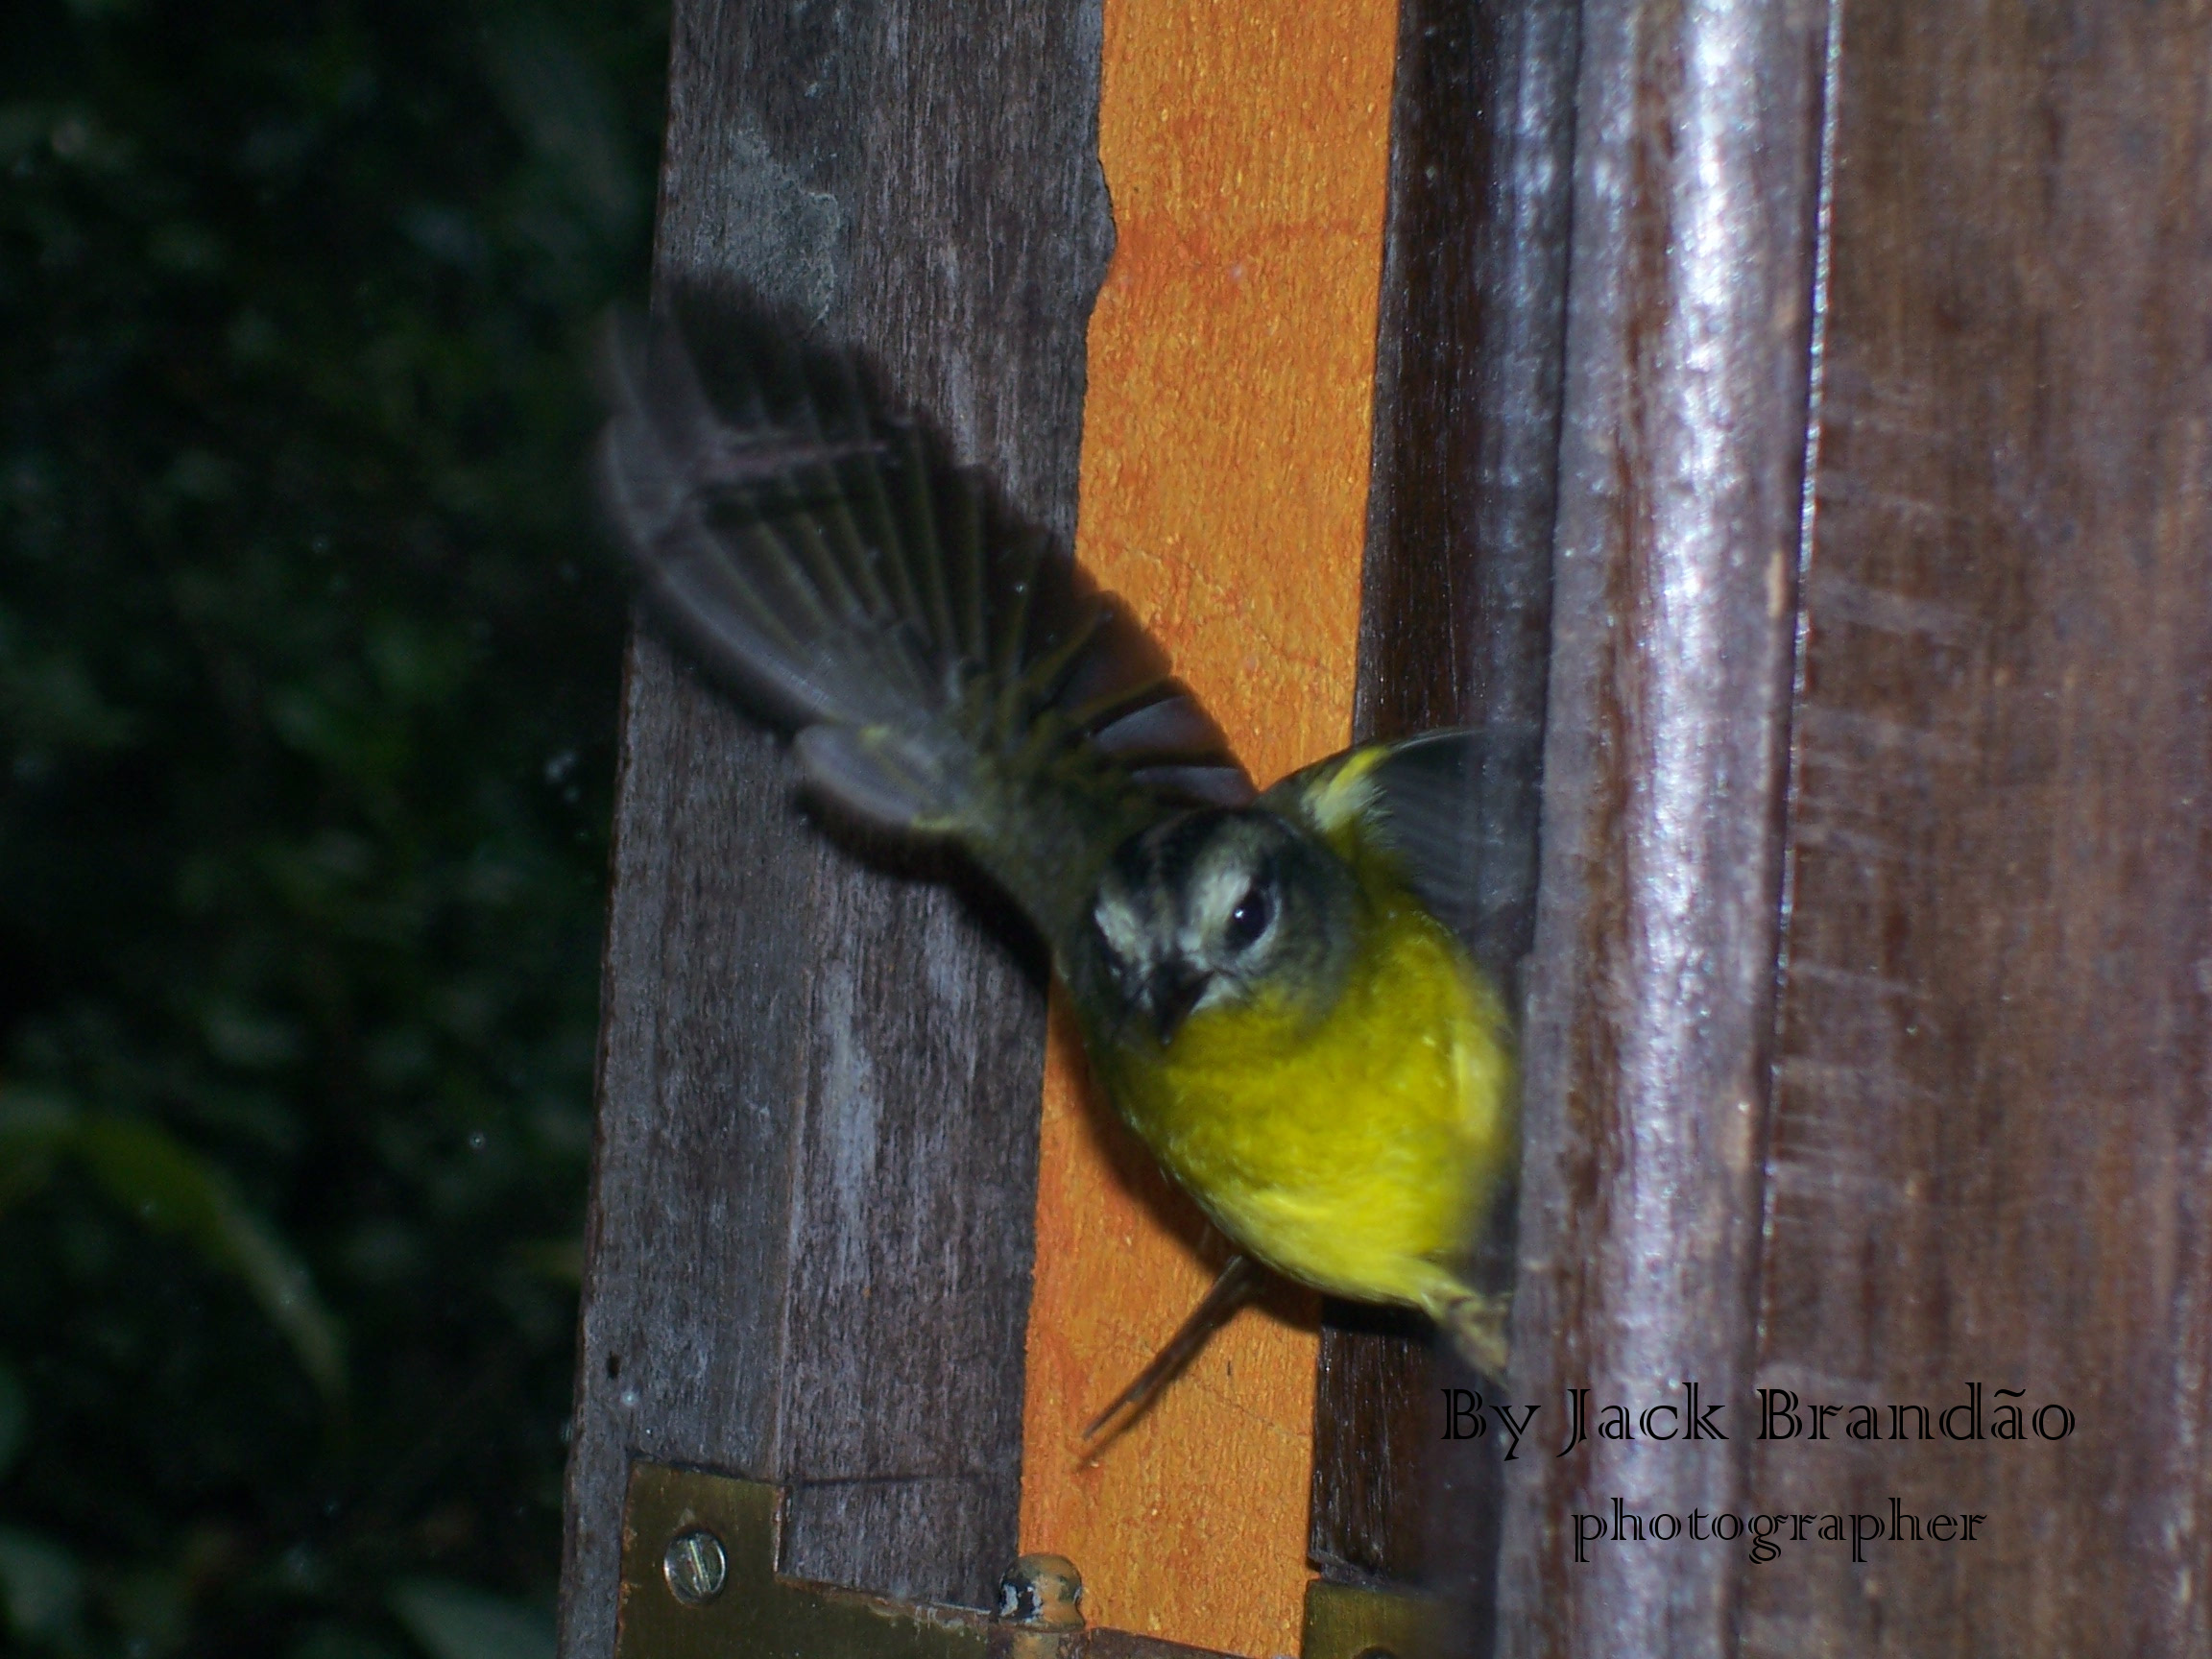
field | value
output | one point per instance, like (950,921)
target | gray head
(1208,909)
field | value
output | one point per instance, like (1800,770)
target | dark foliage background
(308,653)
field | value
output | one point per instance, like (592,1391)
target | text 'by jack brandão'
(1683,1412)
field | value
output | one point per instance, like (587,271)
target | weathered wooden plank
(809,1251)
(1991,1147)
(1454,629)
(1651,990)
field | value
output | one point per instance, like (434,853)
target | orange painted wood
(1224,484)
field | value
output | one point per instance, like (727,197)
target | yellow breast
(1354,1149)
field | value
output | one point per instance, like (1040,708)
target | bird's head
(1222,907)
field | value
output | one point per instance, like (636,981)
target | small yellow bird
(1266,987)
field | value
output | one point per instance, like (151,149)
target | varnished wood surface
(1224,487)
(1991,1143)
(1455,629)
(1651,993)
(810,1249)
(1980,1151)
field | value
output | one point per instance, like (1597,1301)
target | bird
(1269,985)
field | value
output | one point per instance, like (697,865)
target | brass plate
(699,1582)
(1346,1623)
(753,1613)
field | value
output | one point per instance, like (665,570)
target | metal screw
(1042,1593)
(696,1566)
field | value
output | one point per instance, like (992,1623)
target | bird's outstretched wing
(948,671)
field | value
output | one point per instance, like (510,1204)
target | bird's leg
(1231,1291)
(1476,1322)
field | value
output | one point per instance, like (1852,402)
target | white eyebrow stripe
(1121,927)
(1218,891)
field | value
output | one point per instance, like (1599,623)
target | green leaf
(33,1127)
(31,1120)
(171,1189)
(558,1260)
(454,1621)
(42,1585)
(153,1606)
(14,1418)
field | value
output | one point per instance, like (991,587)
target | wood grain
(1991,1144)
(1651,995)
(809,1246)
(1224,477)
(1456,630)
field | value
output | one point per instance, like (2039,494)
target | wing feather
(1422,801)
(947,668)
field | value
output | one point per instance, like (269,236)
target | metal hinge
(699,1582)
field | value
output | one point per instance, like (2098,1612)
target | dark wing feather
(1431,803)
(948,669)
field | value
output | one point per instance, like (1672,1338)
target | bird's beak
(1174,991)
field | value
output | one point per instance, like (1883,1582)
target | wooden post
(1990,1145)
(1224,489)
(1870,1020)
(1696,168)
(809,1251)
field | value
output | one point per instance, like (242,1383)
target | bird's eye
(1250,918)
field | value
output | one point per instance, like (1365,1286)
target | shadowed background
(308,659)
